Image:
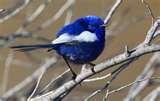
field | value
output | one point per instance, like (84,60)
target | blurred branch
(2,11)
(149,10)
(60,12)
(21,63)
(34,15)
(8,13)
(117,27)
(152,96)
(21,33)
(68,16)
(37,12)
(19,87)
(7,40)
(8,63)
(148,71)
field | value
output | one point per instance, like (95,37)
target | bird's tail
(24,48)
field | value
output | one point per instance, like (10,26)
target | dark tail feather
(24,48)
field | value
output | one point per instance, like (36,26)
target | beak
(104,25)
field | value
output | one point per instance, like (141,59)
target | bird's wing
(65,38)
(84,36)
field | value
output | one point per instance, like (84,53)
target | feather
(24,48)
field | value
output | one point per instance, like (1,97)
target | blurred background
(128,26)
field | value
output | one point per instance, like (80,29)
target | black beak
(104,25)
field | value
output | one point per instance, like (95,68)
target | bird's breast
(82,52)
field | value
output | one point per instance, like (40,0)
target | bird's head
(91,23)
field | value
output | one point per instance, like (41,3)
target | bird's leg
(73,73)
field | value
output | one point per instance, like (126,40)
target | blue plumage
(81,42)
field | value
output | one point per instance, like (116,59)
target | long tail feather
(24,48)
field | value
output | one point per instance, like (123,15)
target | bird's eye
(97,26)
(93,26)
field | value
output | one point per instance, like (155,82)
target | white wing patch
(62,39)
(85,36)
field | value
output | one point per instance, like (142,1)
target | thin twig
(54,80)
(130,84)
(37,84)
(149,10)
(97,78)
(111,12)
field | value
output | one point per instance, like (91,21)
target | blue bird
(80,42)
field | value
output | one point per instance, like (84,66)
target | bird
(79,42)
